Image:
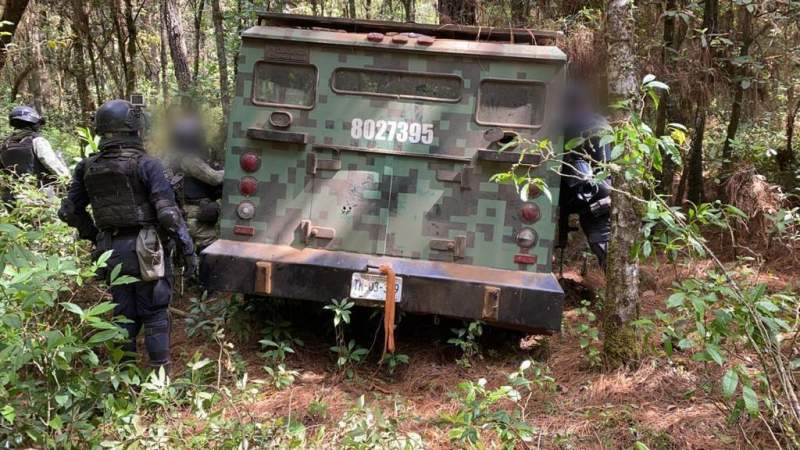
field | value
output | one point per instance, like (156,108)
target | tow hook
(389,309)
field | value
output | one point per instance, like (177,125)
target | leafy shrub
(481,409)
(466,340)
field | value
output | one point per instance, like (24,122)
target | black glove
(190,263)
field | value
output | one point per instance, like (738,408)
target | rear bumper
(505,298)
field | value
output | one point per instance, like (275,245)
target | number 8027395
(391,130)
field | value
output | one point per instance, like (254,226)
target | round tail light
(248,186)
(530,212)
(250,162)
(246,210)
(527,238)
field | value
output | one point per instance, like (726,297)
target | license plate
(368,286)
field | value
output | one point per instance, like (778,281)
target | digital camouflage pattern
(414,200)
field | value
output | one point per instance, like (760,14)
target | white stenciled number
(356,128)
(427,133)
(369,129)
(392,131)
(415,132)
(402,132)
(381,126)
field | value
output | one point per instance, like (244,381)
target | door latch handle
(311,231)
(458,246)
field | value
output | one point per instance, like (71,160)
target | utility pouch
(209,213)
(150,254)
(601,207)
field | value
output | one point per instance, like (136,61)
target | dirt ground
(661,403)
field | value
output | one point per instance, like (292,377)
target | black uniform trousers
(145,304)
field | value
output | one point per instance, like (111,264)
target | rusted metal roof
(449,31)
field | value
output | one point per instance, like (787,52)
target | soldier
(581,193)
(197,183)
(25,151)
(134,214)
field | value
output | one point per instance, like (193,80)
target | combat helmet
(24,116)
(119,117)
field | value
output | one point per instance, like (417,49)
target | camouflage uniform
(197,183)
(199,211)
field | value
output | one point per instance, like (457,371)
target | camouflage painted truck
(356,144)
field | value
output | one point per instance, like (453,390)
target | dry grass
(751,193)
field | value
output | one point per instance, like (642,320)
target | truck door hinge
(462,177)
(458,246)
(311,231)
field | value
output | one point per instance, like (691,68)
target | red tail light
(244,230)
(525,259)
(530,212)
(250,162)
(248,186)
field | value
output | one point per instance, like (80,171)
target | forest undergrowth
(274,374)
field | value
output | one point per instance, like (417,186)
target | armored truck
(357,144)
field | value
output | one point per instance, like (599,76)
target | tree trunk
(461,12)
(351,9)
(222,57)
(736,109)
(130,72)
(785,157)
(520,13)
(621,306)
(121,45)
(81,76)
(12,16)
(80,26)
(38,81)
(409,7)
(668,167)
(164,64)
(198,34)
(177,47)
(694,177)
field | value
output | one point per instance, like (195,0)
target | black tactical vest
(17,154)
(119,198)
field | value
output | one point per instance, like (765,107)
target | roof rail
(449,31)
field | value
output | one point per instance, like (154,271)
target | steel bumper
(505,298)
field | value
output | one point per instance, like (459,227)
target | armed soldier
(197,183)
(134,214)
(25,151)
(581,193)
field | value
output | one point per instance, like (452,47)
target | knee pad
(157,341)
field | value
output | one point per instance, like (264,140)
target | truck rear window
(511,103)
(398,84)
(282,84)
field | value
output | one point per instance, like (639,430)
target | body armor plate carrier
(119,198)
(17,154)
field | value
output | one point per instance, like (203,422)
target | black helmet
(118,116)
(24,116)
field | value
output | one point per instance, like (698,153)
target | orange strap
(389,308)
